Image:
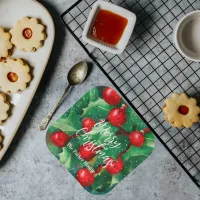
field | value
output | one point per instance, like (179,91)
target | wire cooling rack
(149,70)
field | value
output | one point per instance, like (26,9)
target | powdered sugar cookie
(28,34)
(14,75)
(5,44)
(181,110)
(4,107)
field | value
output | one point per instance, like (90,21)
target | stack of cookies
(27,35)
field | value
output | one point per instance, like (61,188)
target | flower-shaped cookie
(4,107)
(28,34)
(1,141)
(5,44)
(181,110)
(14,75)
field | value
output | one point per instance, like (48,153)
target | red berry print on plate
(86,151)
(88,124)
(117,116)
(85,177)
(111,96)
(59,139)
(137,138)
(114,166)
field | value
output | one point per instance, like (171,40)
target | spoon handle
(45,121)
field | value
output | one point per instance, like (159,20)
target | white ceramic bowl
(187,36)
(115,49)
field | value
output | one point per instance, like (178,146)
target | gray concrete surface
(30,172)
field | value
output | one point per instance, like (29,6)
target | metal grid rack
(149,70)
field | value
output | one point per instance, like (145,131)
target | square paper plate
(100,140)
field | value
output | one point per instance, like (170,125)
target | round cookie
(181,110)
(28,35)
(4,108)
(14,75)
(5,44)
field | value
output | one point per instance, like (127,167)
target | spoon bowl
(77,73)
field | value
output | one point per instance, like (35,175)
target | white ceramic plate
(10,12)
(121,45)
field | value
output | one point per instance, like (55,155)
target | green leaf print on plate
(100,140)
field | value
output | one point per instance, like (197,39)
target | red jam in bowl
(109,27)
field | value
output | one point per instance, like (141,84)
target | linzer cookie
(181,110)
(5,44)
(100,140)
(4,107)
(28,35)
(14,75)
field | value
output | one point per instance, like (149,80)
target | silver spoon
(76,75)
